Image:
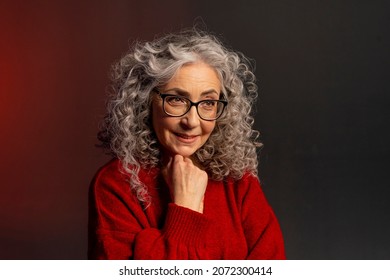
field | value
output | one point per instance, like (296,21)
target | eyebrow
(187,94)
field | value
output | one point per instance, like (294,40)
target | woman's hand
(186,181)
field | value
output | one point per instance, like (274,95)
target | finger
(169,163)
(187,160)
(178,159)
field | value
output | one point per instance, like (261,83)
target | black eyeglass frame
(164,95)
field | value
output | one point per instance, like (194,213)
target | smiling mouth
(186,138)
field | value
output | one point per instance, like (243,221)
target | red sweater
(237,222)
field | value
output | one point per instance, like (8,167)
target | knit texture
(237,221)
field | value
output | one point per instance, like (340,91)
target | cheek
(162,125)
(208,128)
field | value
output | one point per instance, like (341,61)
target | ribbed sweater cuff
(185,225)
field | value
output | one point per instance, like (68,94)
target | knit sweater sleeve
(262,230)
(120,229)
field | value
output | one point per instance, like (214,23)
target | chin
(185,152)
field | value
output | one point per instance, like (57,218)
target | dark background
(323,113)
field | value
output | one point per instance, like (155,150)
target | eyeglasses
(177,106)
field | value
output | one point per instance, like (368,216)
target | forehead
(195,78)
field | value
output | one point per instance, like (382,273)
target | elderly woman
(183,182)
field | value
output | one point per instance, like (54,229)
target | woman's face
(186,134)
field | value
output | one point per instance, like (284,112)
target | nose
(191,119)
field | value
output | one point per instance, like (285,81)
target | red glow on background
(55,59)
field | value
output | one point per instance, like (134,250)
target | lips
(186,138)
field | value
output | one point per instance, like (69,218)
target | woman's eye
(208,104)
(174,100)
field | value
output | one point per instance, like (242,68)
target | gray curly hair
(127,131)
